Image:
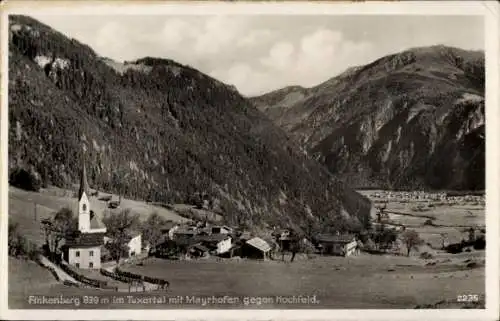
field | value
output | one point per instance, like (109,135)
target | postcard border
(487,9)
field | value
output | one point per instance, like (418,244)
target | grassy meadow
(364,281)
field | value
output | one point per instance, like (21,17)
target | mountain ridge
(353,122)
(154,128)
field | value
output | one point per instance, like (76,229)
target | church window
(91,265)
(77,254)
(84,207)
(91,253)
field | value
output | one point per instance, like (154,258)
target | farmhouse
(221,230)
(133,242)
(219,243)
(344,245)
(183,232)
(198,250)
(256,248)
(83,249)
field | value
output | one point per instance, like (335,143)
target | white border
(488,9)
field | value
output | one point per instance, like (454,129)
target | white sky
(259,54)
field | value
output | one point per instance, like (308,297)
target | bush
(480,244)
(454,248)
(426,255)
(24,179)
(429,222)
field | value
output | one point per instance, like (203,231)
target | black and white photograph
(202,159)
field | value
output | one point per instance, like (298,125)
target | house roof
(84,185)
(84,240)
(221,227)
(185,230)
(259,243)
(346,238)
(212,237)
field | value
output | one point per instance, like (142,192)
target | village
(109,248)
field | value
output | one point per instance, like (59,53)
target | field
(364,281)
(48,201)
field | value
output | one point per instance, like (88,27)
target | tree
(62,225)
(384,237)
(412,240)
(151,229)
(25,180)
(119,225)
(15,240)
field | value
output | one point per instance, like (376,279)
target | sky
(258,54)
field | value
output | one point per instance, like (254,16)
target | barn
(256,248)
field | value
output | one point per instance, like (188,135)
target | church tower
(83,202)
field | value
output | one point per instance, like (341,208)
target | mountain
(414,119)
(156,129)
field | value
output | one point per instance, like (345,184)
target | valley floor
(364,281)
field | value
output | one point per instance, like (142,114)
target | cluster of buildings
(202,240)
(85,249)
(424,196)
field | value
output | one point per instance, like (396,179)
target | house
(221,230)
(344,245)
(183,232)
(256,248)
(133,241)
(198,250)
(219,243)
(83,248)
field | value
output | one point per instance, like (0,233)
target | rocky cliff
(409,120)
(156,129)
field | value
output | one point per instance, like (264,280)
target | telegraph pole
(35,214)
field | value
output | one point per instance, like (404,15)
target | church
(83,250)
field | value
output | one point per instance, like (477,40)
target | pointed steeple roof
(84,185)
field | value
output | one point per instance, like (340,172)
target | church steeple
(84,185)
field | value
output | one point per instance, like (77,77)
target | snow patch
(175,70)
(470,98)
(42,61)
(16,27)
(59,63)
(122,68)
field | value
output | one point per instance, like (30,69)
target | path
(63,276)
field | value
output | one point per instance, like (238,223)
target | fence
(86,280)
(164,284)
